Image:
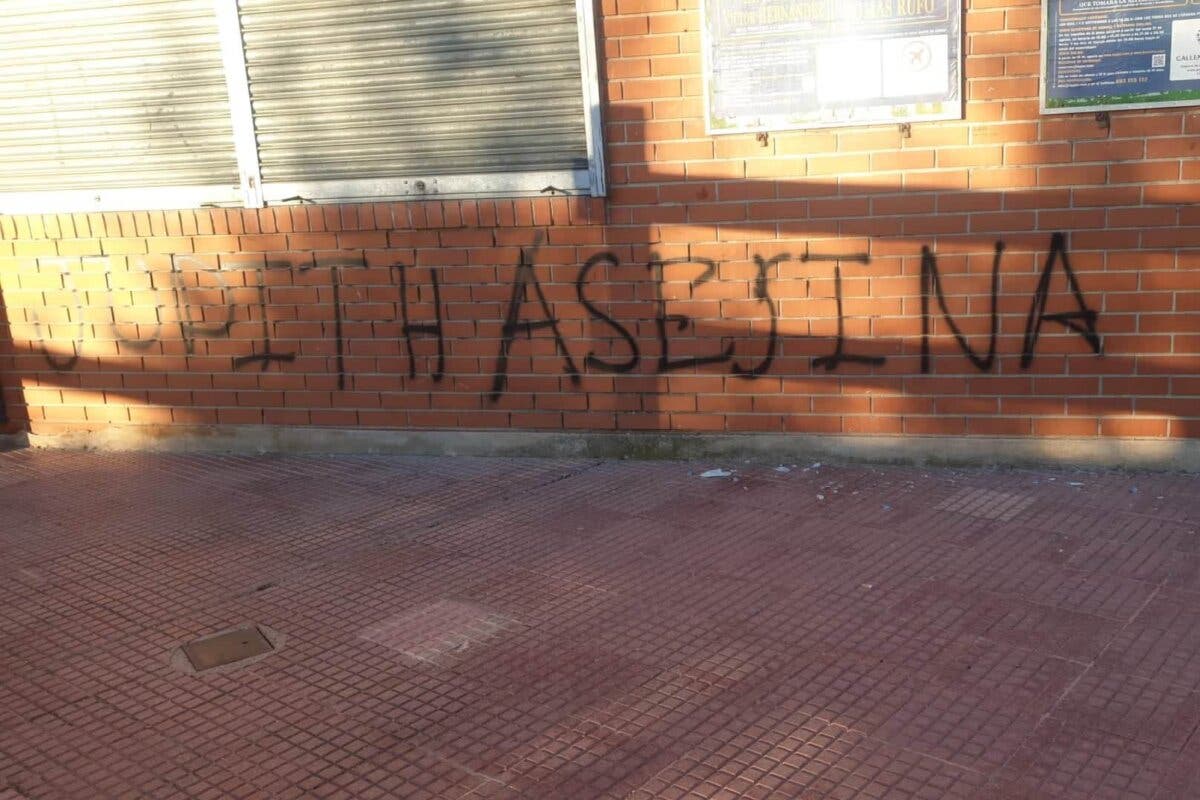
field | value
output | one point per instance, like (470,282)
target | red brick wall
(725,247)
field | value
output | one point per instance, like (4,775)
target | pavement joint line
(1090,665)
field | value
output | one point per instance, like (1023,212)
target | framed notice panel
(787,64)
(1099,55)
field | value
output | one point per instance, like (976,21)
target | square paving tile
(1062,761)
(520,629)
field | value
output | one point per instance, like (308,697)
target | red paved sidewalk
(472,628)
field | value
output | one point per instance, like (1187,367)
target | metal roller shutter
(113,98)
(379,97)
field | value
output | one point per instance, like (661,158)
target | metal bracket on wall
(1104,120)
(906,130)
(763,138)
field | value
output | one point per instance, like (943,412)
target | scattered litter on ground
(716,473)
(820,497)
(1074,483)
(782,470)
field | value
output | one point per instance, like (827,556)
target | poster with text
(788,64)
(1099,55)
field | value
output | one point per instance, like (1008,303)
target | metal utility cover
(226,648)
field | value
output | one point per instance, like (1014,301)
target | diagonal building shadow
(690,300)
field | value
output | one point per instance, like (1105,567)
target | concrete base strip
(1159,454)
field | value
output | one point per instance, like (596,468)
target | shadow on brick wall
(7,393)
(634,339)
(724,285)
(688,301)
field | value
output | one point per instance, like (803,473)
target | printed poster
(1109,54)
(789,64)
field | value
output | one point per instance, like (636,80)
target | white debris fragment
(1074,483)
(817,465)
(782,470)
(716,473)
(820,497)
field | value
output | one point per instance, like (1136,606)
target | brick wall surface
(832,281)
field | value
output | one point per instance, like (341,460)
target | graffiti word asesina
(527,289)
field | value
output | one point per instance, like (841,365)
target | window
(153,104)
(108,107)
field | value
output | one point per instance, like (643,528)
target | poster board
(793,64)
(1102,55)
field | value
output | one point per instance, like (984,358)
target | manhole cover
(228,647)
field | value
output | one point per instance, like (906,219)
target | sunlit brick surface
(471,628)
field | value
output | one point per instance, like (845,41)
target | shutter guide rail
(238,84)
(585,12)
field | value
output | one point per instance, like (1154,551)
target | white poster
(787,64)
(1185,50)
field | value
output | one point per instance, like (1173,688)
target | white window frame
(252,193)
(155,198)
